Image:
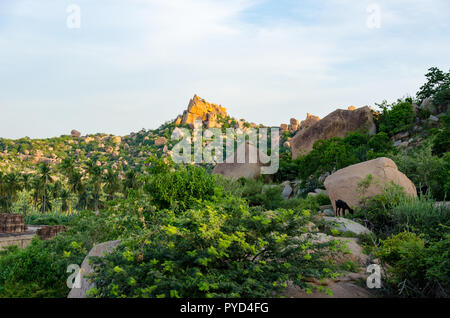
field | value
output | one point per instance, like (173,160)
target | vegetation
(187,233)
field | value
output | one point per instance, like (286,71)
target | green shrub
(393,212)
(215,249)
(181,188)
(425,169)
(395,117)
(415,269)
(39,270)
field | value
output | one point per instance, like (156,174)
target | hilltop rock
(343,184)
(75,133)
(248,169)
(309,121)
(294,125)
(337,124)
(199,109)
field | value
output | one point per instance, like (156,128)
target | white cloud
(137,65)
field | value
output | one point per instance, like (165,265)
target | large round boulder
(98,250)
(343,184)
(250,167)
(337,124)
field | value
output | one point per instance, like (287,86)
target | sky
(117,66)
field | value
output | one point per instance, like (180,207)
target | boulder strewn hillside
(336,124)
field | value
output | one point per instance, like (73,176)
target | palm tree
(64,195)
(12,186)
(67,166)
(77,184)
(26,185)
(2,190)
(95,173)
(130,182)
(45,179)
(112,183)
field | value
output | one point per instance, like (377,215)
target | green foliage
(426,169)
(337,153)
(395,117)
(441,142)
(393,212)
(415,268)
(215,249)
(39,270)
(181,188)
(436,87)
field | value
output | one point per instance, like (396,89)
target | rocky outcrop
(309,121)
(337,124)
(75,133)
(200,110)
(294,125)
(98,250)
(248,168)
(343,184)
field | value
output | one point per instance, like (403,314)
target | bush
(181,188)
(215,249)
(393,212)
(414,269)
(39,270)
(395,117)
(425,169)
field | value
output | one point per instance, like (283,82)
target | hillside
(359,188)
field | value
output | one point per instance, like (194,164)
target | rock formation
(199,109)
(294,125)
(86,269)
(337,124)
(309,121)
(248,169)
(343,184)
(75,133)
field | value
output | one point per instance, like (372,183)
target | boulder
(428,105)
(343,184)
(284,128)
(250,167)
(160,141)
(116,140)
(345,225)
(434,118)
(86,269)
(309,121)
(75,133)
(337,124)
(287,190)
(294,125)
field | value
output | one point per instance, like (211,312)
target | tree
(437,87)
(112,183)
(45,179)
(95,173)
(130,182)
(67,166)
(11,186)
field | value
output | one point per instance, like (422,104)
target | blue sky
(135,64)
